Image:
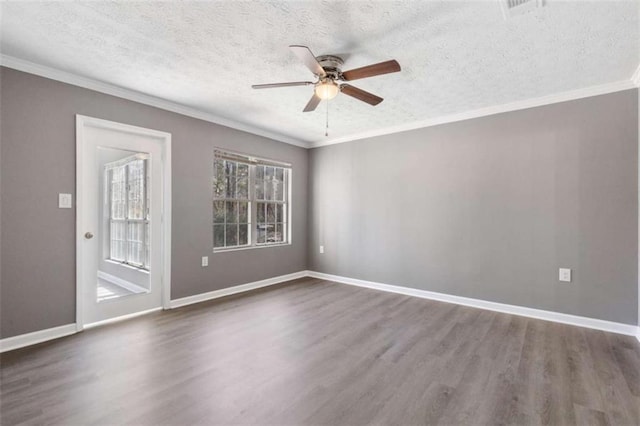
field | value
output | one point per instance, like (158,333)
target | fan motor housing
(331,65)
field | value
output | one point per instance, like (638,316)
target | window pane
(147,192)
(218,179)
(117,249)
(230,187)
(218,235)
(279,191)
(271,230)
(118,193)
(218,211)
(136,180)
(259,189)
(243,235)
(147,245)
(279,213)
(260,212)
(271,213)
(280,174)
(232,212)
(269,189)
(260,172)
(261,232)
(243,212)
(232,235)
(242,188)
(230,168)
(242,170)
(269,173)
(135,237)
(279,235)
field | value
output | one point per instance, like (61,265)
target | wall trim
(197,298)
(635,78)
(132,95)
(484,112)
(164,138)
(28,339)
(134,288)
(597,324)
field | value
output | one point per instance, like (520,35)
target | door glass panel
(123,237)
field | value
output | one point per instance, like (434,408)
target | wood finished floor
(315,352)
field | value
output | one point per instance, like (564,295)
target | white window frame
(127,221)
(252,233)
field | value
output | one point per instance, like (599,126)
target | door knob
(88,235)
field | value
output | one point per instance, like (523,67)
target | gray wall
(486,208)
(490,208)
(37,152)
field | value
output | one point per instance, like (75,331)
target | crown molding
(635,78)
(132,95)
(483,112)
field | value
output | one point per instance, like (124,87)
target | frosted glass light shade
(327,90)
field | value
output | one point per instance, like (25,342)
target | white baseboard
(613,327)
(127,285)
(28,339)
(176,303)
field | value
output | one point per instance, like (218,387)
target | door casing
(83,122)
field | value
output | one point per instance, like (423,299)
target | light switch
(205,261)
(321,249)
(565,275)
(64,201)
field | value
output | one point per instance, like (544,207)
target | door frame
(82,122)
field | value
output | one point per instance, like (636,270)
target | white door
(123,222)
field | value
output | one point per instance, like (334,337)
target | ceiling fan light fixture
(327,89)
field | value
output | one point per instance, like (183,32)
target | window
(250,201)
(127,210)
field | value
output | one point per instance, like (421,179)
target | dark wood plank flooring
(315,352)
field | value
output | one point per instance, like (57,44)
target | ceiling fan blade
(312,104)
(372,70)
(272,85)
(308,59)
(360,94)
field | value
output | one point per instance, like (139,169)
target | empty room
(319,212)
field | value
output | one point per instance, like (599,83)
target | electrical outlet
(564,275)
(321,249)
(205,261)
(64,201)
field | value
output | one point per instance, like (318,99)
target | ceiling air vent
(511,8)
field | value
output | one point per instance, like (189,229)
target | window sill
(225,250)
(124,265)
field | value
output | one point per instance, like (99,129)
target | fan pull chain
(326,128)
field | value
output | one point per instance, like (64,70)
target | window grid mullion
(237,208)
(224,227)
(126,213)
(145,261)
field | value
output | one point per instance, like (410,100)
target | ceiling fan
(327,70)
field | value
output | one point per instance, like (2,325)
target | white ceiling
(455,56)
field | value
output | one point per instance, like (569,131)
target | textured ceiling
(455,56)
